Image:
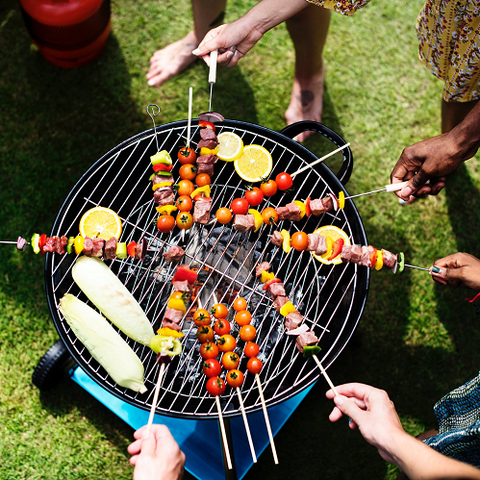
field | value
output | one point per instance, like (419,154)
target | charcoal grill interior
(331,299)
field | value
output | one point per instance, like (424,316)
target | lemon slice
(230,146)
(334,233)
(100,222)
(255,163)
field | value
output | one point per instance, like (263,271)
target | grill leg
(229,474)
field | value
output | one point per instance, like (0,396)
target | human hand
(458,270)
(372,411)
(156,455)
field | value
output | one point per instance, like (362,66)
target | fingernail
(151,83)
(233,48)
(435,269)
(195,52)
(406,192)
(402,202)
(350,421)
(229,54)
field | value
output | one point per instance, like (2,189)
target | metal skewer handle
(212,75)
(393,187)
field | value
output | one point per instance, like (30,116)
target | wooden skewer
(324,373)
(247,428)
(155,397)
(320,159)
(224,435)
(267,421)
(189,124)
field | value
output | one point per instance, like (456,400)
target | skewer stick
(224,435)
(267,421)
(247,428)
(320,159)
(155,397)
(189,124)
(324,373)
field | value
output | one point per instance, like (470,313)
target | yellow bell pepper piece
(329,244)
(207,151)
(177,304)
(78,244)
(198,191)
(258,218)
(161,184)
(166,209)
(266,276)
(341,200)
(301,206)
(287,308)
(169,332)
(379,261)
(286,241)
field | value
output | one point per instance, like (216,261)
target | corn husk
(105,345)
(112,298)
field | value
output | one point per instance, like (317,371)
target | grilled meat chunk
(276,238)
(279,302)
(169,324)
(290,211)
(173,315)
(210,144)
(307,338)
(97,250)
(88,247)
(201,211)
(276,289)
(293,320)
(110,248)
(317,243)
(162,179)
(389,259)
(244,223)
(163,196)
(264,266)
(174,254)
(208,134)
(181,286)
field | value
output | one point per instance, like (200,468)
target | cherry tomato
(243,317)
(239,304)
(254,365)
(180,296)
(226,343)
(184,203)
(269,188)
(211,367)
(205,334)
(203,179)
(209,350)
(235,378)
(185,187)
(239,206)
(270,216)
(247,333)
(184,220)
(284,181)
(165,223)
(186,155)
(251,349)
(187,171)
(230,360)
(223,215)
(254,196)
(222,326)
(219,310)
(299,241)
(215,386)
(201,317)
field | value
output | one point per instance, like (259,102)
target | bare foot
(306,102)
(171,60)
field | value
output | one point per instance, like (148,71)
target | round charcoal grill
(331,299)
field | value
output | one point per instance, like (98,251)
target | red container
(68,33)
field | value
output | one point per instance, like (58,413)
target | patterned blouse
(448,32)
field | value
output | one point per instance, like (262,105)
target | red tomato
(235,378)
(299,241)
(243,317)
(284,181)
(226,343)
(187,172)
(251,349)
(230,360)
(184,220)
(222,326)
(239,304)
(211,367)
(186,155)
(254,365)
(185,187)
(254,196)
(219,310)
(247,333)
(239,206)
(215,386)
(223,215)
(205,334)
(184,203)
(269,188)
(201,317)
(165,223)
(203,179)
(209,350)
(270,216)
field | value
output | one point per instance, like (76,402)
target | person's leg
(177,56)
(308,30)
(454,112)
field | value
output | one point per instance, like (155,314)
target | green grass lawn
(417,339)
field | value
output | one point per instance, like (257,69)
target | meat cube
(60,244)
(264,266)
(173,315)
(389,259)
(356,254)
(49,245)
(276,289)
(244,223)
(317,243)
(279,302)
(163,196)
(208,134)
(276,238)
(162,179)
(327,203)
(88,247)
(168,324)
(307,338)
(174,254)
(322,245)
(316,207)
(346,253)
(209,159)
(293,320)
(207,168)
(294,212)
(181,286)
(201,211)
(282,213)
(110,248)
(210,144)
(367,253)
(97,250)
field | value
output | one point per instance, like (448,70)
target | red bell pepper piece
(308,210)
(160,167)
(205,124)
(131,248)
(336,248)
(273,280)
(183,274)
(42,241)
(373,257)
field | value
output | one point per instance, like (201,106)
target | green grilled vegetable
(104,343)
(112,298)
